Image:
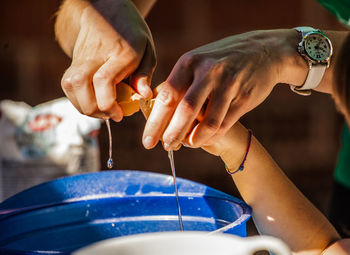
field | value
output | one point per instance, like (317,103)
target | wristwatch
(316,48)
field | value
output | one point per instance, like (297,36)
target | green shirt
(340,9)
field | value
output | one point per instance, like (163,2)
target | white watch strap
(314,77)
(315,73)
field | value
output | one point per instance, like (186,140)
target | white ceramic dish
(183,243)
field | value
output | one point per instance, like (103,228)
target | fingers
(211,122)
(234,113)
(185,114)
(66,84)
(91,88)
(76,84)
(104,81)
(164,107)
(168,97)
(142,77)
(107,50)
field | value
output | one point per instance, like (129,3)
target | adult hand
(223,80)
(113,43)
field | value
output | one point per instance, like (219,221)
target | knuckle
(212,124)
(212,69)
(238,101)
(243,97)
(90,110)
(189,103)
(105,106)
(101,77)
(236,104)
(248,91)
(167,98)
(66,84)
(79,78)
(220,72)
(212,65)
(128,54)
(231,84)
(188,59)
(173,138)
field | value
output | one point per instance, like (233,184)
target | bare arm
(279,208)
(231,77)
(108,41)
(296,67)
(67,24)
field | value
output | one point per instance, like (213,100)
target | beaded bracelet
(241,166)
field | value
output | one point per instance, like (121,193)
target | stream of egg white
(172,165)
(110,160)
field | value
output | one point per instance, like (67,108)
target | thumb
(142,77)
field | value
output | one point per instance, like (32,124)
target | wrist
(293,68)
(67,25)
(231,148)
(237,142)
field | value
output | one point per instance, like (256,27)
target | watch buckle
(306,92)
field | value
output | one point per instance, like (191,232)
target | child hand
(231,147)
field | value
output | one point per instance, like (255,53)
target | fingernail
(146,92)
(148,142)
(186,144)
(144,89)
(178,147)
(190,138)
(166,146)
(117,118)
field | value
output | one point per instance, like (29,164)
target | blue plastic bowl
(63,215)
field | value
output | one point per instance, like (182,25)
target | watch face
(317,46)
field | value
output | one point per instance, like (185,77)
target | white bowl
(181,243)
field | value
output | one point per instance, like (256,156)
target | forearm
(279,208)
(67,23)
(68,19)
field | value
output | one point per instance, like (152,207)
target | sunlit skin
(231,77)
(104,50)
(279,208)
(207,91)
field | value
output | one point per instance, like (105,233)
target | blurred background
(301,133)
